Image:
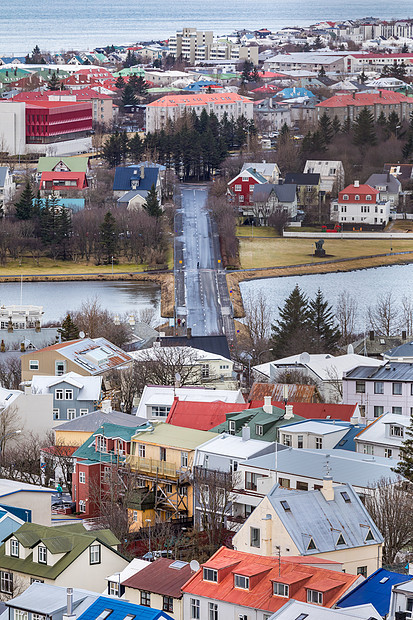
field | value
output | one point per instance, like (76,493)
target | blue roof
(74,204)
(371,590)
(124,176)
(289,93)
(120,609)
(22,513)
(347,442)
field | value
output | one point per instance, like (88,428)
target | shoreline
(348,264)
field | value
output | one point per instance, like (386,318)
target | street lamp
(149,521)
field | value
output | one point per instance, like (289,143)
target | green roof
(163,89)
(88,452)
(72,540)
(75,164)
(130,71)
(270,422)
(174,436)
(46,74)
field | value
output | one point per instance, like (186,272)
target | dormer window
(356,197)
(311,545)
(280,589)
(369,536)
(210,574)
(340,540)
(241,582)
(368,197)
(345,196)
(396,431)
(14,548)
(313,596)
(231,427)
(259,430)
(42,554)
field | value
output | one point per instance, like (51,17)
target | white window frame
(113,588)
(33,364)
(58,394)
(6,582)
(82,505)
(280,589)
(71,413)
(14,548)
(83,411)
(95,554)
(315,597)
(69,394)
(242,582)
(210,574)
(255,540)
(142,450)
(82,477)
(237,188)
(195,605)
(56,413)
(184,459)
(42,554)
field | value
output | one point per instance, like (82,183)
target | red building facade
(54,121)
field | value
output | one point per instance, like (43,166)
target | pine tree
(382,120)
(247,71)
(139,85)
(289,334)
(393,122)
(120,83)
(112,150)
(323,325)
(109,236)
(130,60)
(325,127)
(318,44)
(363,128)
(128,97)
(24,208)
(152,206)
(363,77)
(336,125)
(54,82)
(136,147)
(69,329)
(407,148)
(405,464)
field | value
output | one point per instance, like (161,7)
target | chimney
(371,334)
(267,540)
(288,412)
(142,172)
(106,406)
(267,406)
(356,183)
(246,433)
(327,489)
(404,335)
(69,615)
(189,333)
(22,347)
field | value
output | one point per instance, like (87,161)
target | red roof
(196,99)
(263,571)
(200,415)
(319,411)
(360,190)
(79,177)
(60,450)
(385,97)
(161,578)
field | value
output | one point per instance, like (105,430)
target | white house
(384,436)
(7,186)
(156,400)
(401,599)
(331,174)
(268,170)
(360,206)
(314,434)
(33,500)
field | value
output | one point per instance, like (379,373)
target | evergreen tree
(336,125)
(247,69)
(325,127)
(112,150)
(135,147)
(407,149)
(152,206)
(363,77)
(405,464)
(54,82)
(363,128)
(382,120)
(318,44)
(69,329)
(130,60)
(120,83)
(289,333)
(24,208)
(284,134)
(139,85)
(346,126)
(128,97)
(109,237)
(323,325)
(393,122)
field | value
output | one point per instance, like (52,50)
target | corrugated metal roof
(161,577)
(261,596)
(93,420)
(392,371)
(318,410)
(174,436)
(200,415)
(293,610)
(296,393)
(312,516)
(120,609)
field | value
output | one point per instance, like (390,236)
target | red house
(241,187)
(55,181)
(52,121)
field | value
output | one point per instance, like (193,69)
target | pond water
(364,285)
(57,298)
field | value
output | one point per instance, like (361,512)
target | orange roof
(333,584)
(196,99)
(54,347)
(385,97)
(297,393)
(319,411)
(201,416)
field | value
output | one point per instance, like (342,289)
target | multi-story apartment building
(173,107)
(196,46)
(349,106)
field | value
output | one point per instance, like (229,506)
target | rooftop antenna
(327,466)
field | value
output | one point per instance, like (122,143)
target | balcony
(152,466)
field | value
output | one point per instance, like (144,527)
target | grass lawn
(256,231)
(255,253)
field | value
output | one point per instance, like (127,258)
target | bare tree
(58,462)
(22,460)
(96,321)
(346,315)
(389,506)
(255,340)
(384,317)
(10,427)
(292,376)
(10,372)
(407,311)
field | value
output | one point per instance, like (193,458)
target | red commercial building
(55,121)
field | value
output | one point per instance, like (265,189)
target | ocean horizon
(60,25)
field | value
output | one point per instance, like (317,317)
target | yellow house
(330,523)
(162,458)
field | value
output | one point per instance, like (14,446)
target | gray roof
(48,599)
(301,178)
(94,420)
(3,173)
(392,371)
(312,516)
(360,470)
(404,350)
(45,337)
(132,194)
(392,184)
(264,168)
(285,193)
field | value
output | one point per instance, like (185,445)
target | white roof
(376,431)
(312,426)
(292,610)
(156,353)
(233,446)
(264,369)
(89,386)
(165,394)
(7,487)
(322,167)
(326,366)
(8,396)
(131,569)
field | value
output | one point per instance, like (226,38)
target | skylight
(369,535)
(346,497)
(178,564)
(285,505)
(384,580)
(104,614)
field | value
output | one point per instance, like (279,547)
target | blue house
(119,610)
(74,395)
(376,590)
(294,93)
(132,184)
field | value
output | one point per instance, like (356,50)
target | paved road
(200,298)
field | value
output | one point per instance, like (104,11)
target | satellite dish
(194,565)
(305,358)
(81,334)
(350,349)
